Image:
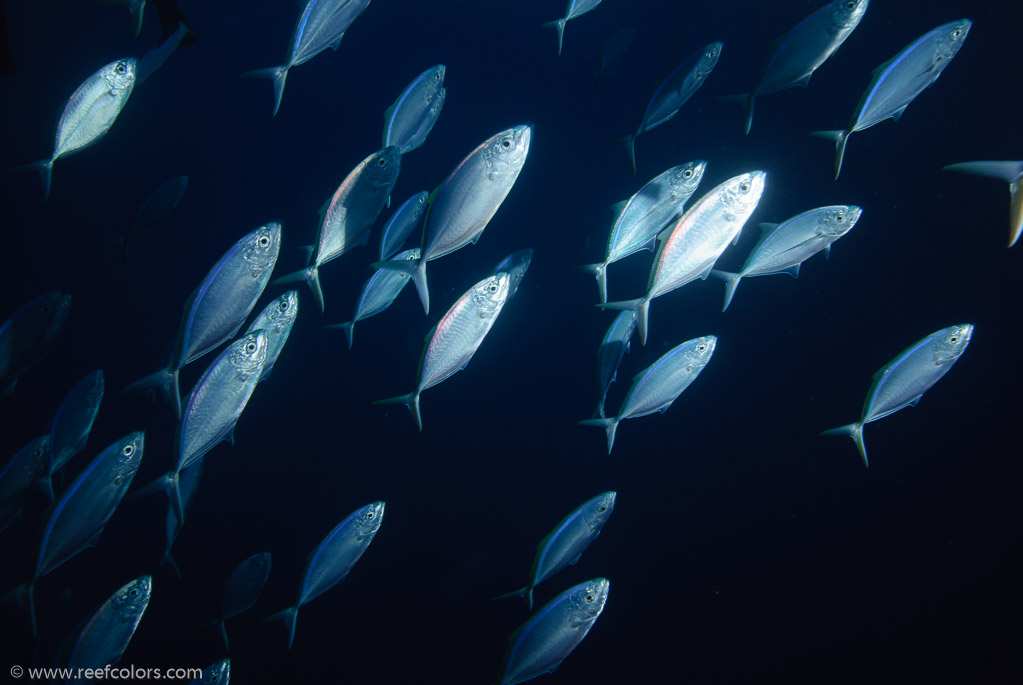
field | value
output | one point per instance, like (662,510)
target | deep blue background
(743,548)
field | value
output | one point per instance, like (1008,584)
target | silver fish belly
(401,224)
(410,119)
(106,635)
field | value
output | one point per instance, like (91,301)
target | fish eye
(37,452)
(698,75)
(957,33)
(744,186)
(840,218)
(590,598)
(119,69)
(687,174)
(370,514)
(603,507)
(381,163)
(953,339)
(133,593)
(250,347)
(264,241)
(701,347)
(436,76)
(284,306)
(850,5)
(128,450)
(492,288)
(506,143)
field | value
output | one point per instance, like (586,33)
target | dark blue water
(743,548)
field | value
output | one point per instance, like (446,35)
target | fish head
(950,38)
(516,264)
(133,598)
(382,167)
(367,520)
(490,294)
(698,351)
(506,151)
(846,14)
(248,353)
(261,562)
(836,221)
(92,387)
(283,311)
(218,673)
(741,194)
(951,342)
(435,77)
(120,75)
(600,508)
(685,178)
(410,255)
(709,58)
(261,249)
(587,599)
(128,457)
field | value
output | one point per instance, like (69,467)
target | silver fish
(321,25)
(689,249)
(242,588)
(106,635)
(188,484)
(333,558)
(382,289)
(18,476)
(575,8)
(276,320)
(456,337)
(783,247)
(612,350)
(567,542)
(902,382)
(1011,173)
(673,92)
(657,386)
(549,636)
(463,205)
(801,51)
(350,214)
(156,209)
(217,309)
(412,116)
(218,673)
(28,335)
(89,113)
(515,265)
(898,81)
(639,219)
(70,428)
(401,224)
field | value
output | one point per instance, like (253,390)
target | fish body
(1011,173)
(902,382)
(18,475)
(378,293)
(28,335)
(243,587)
(515,265)
(898,82)
(783,247)
(106,635)
(575,9)
(456,337)
(188,485)
(614,49)
(643,216)
(553,632)
(401,224)
(412,116)
(157,208)
(70,428)
(688,249)
(612,350)
(567,542)
(657,386)
(276,320)
(218,673)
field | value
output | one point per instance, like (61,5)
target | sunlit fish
(689,249)
(156,209)
(350,214)
(783,247)
(242,588)
(401,224)
(411,118)
(106,635)
(28,335)
(903,381)
(612,350)
(575,8)
(674,92)
(1011,173)
(804,49)
(549,636)
(382,289)
(69,430)
(639,219)
(463,205)
(89,113)
(218,673)
(456,337)
(18,475)
(333,558)
(321,25)
(276,320)
(566,543)
(898,81)
(217,309)
(515,265)
(657,386)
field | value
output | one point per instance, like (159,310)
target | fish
(218,673)
(673,92)
(276,320)
(566,543)
(333,558)
(515,265)
(410,119)
(401,224)
(456,337)
(784,247)
(612,350)
(28,335)
(463,205)
(689,248)
(575,9)
(657,386)
(70,428)
(378,293)
(903,381)
(242,588)
(350,214)
(801,51)
(1011,173)
(154,59)
(136,8)
(216,310)
(643,216)
(156,209)
(321,25)
(18,476)
(614,49)
(106,635)
(898,82)
(89,113)
(540,644)
(188,484)
(76,520)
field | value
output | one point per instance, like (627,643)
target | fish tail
(629,142)
(223,633)
(598,413)
(1004,171)
(744,100)
(558,24)
(640,306)
(411,401)
(854,431)
(840,138)
(600,273)
(309,275)
(290,616)
(30,600)
(137,8)
(521,592)
(731,283)
(169,560)
(279,76)
(45,169)
(610,426)
(349,329)
(175,393)
(166,380)
(46,485)
(161,484)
